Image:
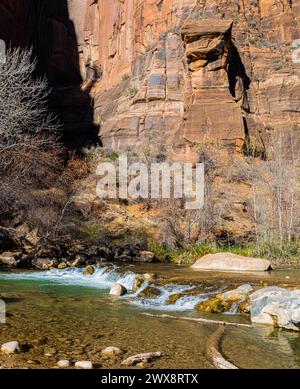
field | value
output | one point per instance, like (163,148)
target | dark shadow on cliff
(239,82)
(46,26)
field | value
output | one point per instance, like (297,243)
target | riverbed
(64,314)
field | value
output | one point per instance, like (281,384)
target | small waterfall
(105,276)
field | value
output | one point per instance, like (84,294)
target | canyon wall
(185,71)
(172,72)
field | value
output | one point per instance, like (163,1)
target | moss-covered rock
(138,282)
(62,266)
(149,277)
(150,292)
(89,270)
(173,298)
(217,304)
(244,306)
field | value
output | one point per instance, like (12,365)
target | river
(64,314)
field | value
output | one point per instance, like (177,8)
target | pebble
(84,364)
(10,347)
(63,363)
(111,351)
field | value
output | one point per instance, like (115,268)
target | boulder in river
(276,306)
(226,301)
(89,270)
(231,262)
(150,292)
(138,282)
(10,347)
(117,290)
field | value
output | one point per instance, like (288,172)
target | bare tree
(30,156)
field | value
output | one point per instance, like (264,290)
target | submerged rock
(84,364)
(10,347)
(276,306)
(117,290)
(89,270)
(141,358)
(112,351)
(63,363)
(231,262)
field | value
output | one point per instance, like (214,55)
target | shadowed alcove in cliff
(239,82)
(47,28)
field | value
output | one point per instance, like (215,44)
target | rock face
(231,262)
(174,71)
(276,306)
(199,70)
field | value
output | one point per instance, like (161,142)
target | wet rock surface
(276,306)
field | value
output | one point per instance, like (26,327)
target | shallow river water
(63,314)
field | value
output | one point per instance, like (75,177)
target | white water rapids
(104,277)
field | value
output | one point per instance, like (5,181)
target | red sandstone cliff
(198,69)
(177,71)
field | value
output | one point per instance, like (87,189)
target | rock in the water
(112,351)
(173,298)
(149,277)
(63,363)
(138,282)
(62,266)
(89,270)
(10,347)
(84,364)
(226,301)
(150,292)
(231,262)
(276,306)
(117,290)
(145,358)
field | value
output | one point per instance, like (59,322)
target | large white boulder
(276,306)
(231,262)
